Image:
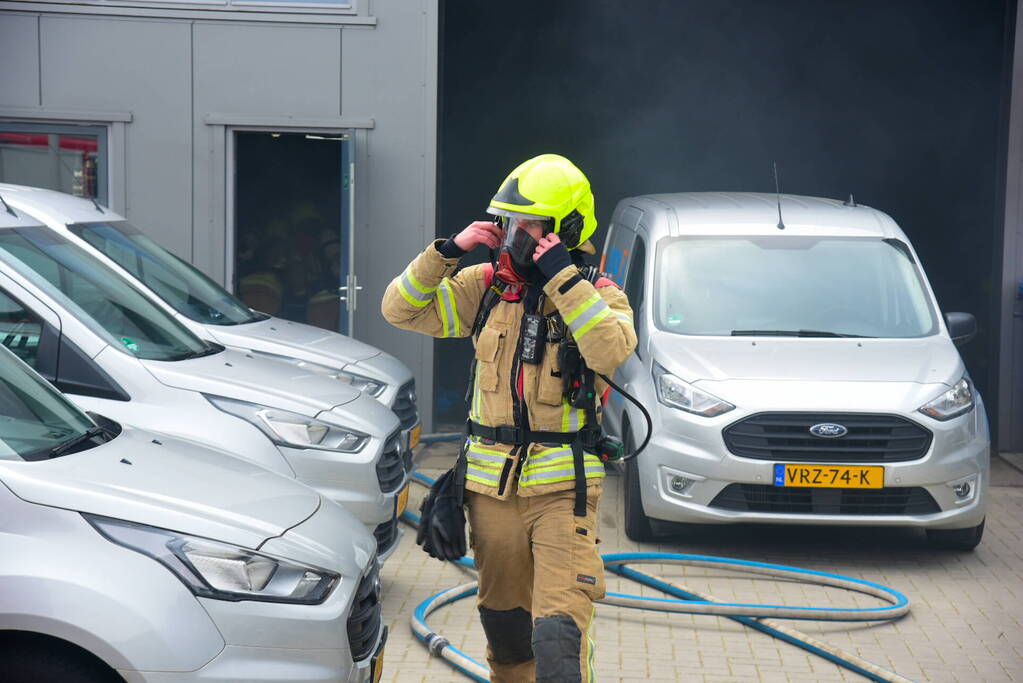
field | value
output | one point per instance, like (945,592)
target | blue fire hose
(687,601)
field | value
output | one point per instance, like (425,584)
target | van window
(20,330)
(616,256)
(34,417)
(790,285)
(186,289)
(98,296)
(634,288)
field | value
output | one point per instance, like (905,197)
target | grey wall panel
(19,45)
(251,69)
(286,70)
(389,73)
(142,67)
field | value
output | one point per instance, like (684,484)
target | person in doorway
(544,326)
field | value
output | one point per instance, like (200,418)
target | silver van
(211,312)
(114,351)
(800,371)
(132,552)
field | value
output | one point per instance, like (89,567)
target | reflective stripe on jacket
(429,297)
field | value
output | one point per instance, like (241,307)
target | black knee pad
(508,632)
(556,643)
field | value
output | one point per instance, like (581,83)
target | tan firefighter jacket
(427,298)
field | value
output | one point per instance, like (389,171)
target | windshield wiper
(63,448)
(210,350)
(791,333)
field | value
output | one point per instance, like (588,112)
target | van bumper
(704,470)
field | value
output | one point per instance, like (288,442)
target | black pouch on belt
(442,517)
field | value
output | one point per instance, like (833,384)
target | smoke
(896,102)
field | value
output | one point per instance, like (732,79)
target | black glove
(553,261)
(442,519)
(448,248)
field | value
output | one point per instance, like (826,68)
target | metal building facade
(168,84)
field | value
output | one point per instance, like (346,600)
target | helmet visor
(522,236)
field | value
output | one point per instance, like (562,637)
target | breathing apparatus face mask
(521,238)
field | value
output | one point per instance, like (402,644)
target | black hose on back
(642,409)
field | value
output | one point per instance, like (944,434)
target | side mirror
(962,327)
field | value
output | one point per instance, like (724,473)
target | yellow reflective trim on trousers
(591,645)
(409,297)
(581,308)
(578,334)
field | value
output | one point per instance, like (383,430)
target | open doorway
(291,237)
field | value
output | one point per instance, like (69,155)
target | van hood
(383,366)
(922,360)
(169,483)
(246,377)
(288,338)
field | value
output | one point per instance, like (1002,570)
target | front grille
(386,535)
(405,405)
(821,501)
(786,436)
(391,467)
(364,620)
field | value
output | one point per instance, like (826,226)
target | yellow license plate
(413,437)
(403,500)
(378,666)
(830,476)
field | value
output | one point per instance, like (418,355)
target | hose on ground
(685,600)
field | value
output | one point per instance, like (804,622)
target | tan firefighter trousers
(539,573)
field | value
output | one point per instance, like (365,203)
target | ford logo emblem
(828,430)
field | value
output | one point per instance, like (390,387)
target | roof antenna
(781,224)
(7,206)
(850,201)
(96,204)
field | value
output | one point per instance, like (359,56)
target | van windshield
(180,284)
(791,286)
(34,418)
(95,294)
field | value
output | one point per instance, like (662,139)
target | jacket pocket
(548,390)
(488,347)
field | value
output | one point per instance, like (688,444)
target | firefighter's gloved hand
(442,520)
(551,256)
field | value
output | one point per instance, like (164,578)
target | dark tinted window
(634,288)
(20,330)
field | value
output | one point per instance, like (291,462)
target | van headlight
(221,571)
(953,403)
(363,384)
(677,393)
(291,429)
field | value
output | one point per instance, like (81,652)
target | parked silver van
(126,551)
(211,312)
(800,371)
(114,351)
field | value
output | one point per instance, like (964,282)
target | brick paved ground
(965,623)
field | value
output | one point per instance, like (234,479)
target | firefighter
(531,491)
